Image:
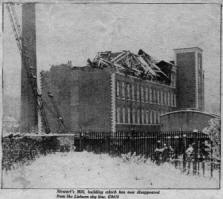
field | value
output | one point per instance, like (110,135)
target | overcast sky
(78,31)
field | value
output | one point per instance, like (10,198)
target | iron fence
(176,144)
(147,144)
(139,142)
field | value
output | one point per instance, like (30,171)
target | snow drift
(89,170)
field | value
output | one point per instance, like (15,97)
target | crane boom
(15,27)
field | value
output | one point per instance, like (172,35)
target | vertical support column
(29,116)
(196,79)
(113,103)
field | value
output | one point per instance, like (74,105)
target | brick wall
(58,82)
(92,97)
(83,97)
(200,83)
(186,81)
(142,104)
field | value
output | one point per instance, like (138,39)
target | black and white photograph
(111,95)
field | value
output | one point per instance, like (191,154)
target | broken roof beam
(150,61)
(118,66)
(120,56)
(140,64)
(101,63)
(135,64)
(154,67)
(147,58)
(142,52)
(147,68)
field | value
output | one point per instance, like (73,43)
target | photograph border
(120,3)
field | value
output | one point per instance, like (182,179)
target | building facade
(107,99)
(139,103)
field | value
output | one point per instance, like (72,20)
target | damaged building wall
(57,82)
(91,100)
(121,92)
(166,68)
(81,96)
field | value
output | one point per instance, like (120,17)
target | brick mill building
(123,91)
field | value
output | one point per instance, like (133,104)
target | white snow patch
(89,170)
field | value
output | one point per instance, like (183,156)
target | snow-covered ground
(89,170)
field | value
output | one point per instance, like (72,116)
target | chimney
(28,115)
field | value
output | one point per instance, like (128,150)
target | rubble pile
(141,65)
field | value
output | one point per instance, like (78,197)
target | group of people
(203,153)
(164,152)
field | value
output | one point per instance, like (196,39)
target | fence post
(211,159)
(199,154)
(123,142)
(108,144)
(80,141)
(176,140)
(195,155)
(203,167)
(188,166)
(184,152)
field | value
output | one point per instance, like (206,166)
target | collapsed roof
(141,65)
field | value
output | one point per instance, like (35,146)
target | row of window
(145,94)
(125,115)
